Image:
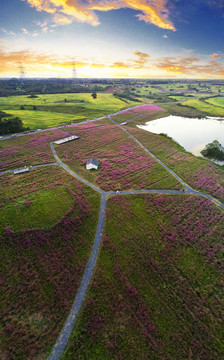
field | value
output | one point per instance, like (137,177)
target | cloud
(217,55)
(141,54)
(165,36)
(120,65)
(141,61)
(61,19)
(144,65)
(190,65)
(25,31)
(7,32)
(65,11)
(34,62)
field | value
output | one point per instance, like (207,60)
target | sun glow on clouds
(65,11)
(135,64)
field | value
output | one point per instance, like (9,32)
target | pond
(192,134)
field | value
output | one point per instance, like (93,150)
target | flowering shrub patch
(123,164)
(41,268)
(157,290)
(198,172)
(28,150)
(143,110)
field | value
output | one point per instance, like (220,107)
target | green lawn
(40,209)
(53,110)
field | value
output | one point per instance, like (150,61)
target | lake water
(192,134)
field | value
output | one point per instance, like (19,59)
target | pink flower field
(145,109)
(41,268)
(197,172)
(28,150)
(157,292)
(123,164)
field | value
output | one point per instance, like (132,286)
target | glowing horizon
(112,39)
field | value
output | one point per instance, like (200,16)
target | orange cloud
(190,66)
(142,59)
(141,54)
(120,65)
(217,55)
(9,60)
(41,63)
(150,11)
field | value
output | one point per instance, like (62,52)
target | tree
(214,150)
(94,95)
(11,125)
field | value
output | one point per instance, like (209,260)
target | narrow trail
(187,187)
(62,340)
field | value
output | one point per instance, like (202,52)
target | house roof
(20,171)
(68,138)
(93,162)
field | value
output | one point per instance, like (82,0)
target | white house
(92,164)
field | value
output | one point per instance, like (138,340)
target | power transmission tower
(74,73)
(21,70)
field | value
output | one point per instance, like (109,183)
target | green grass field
(180,97)
(147,90)
(52,110)
(217,101)
(156,291)
(205,107)
(43,119)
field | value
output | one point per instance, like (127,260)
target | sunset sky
(114,38)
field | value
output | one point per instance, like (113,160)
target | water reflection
(192,134)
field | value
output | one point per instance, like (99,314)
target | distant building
(20,171)
(123,123)
(92,164)
(64,140)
